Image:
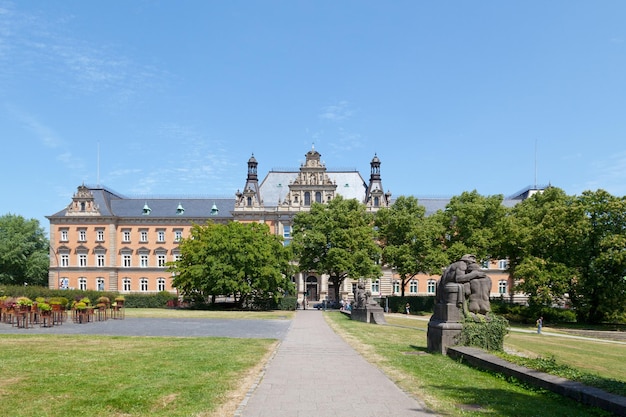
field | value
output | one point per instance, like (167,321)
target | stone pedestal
(442,335)
(445,325)
(369,314)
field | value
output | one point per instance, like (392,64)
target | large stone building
(105,241)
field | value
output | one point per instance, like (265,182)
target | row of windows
(430,289)
(127,260)
(126,235)
(126,284)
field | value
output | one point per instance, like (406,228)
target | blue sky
(172,97)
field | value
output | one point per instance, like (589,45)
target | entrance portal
(311,288)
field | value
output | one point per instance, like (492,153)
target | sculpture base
(369,314)
(442,335)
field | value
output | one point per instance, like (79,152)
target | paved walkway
(315,373)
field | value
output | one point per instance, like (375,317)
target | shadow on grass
(494,402)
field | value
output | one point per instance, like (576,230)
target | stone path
(315,373)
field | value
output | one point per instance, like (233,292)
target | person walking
(407,308)
(539,324)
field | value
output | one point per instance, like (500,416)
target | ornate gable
(312,183)
(83,203)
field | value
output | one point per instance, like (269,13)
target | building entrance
(311,289)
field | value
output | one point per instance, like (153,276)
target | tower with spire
(250,198)
(375,198)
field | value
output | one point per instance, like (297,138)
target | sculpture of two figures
(466,285)
(363,298)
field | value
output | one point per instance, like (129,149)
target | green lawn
(58,375)
(453,389)
(126,376)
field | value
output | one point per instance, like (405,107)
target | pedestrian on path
(539,324)
(407,308)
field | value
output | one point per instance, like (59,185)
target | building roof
(275,185)
(112,204)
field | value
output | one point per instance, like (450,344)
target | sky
(171,98)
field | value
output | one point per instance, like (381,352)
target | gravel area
(271,329)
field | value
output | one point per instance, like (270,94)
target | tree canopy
(571,248)
(410,241)
(239,259)
(24,251)
(473,224)
(337,239)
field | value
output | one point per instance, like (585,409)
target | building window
(126,260)
(100,284)
(376,201)
(485,264)
(100,235)
(376,287)
(82,259)
(65,260)
(100,259)
(125,235)
(178,235)
(143,236)
(503,264)
(413,286)
(143,260)
(64,235)
(502,287)
(431,285)
(82,235)
(161,284)
(82,284)
(307,198)
(161,260)
(396,287)
(143,284)
(249,201)
(160,235)
(318,197)
(126,284)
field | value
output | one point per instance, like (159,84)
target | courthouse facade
(105,241)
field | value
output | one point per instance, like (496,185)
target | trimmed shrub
(485,332)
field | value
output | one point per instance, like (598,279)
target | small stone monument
(365,308)
(462,291)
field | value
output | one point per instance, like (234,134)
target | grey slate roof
(111,203)
(275,185)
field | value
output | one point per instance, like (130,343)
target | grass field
(60,375)
(453,389)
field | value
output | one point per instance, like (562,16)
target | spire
(251,195)
(375,197)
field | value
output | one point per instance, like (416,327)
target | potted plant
(45,308)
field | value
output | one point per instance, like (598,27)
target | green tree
(567,247)
(473,224)
(409,239)
(541,235)
(599,292)
(24,256)
(337,239)
(239,259)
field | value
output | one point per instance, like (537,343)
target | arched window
(432,284)
(413,286)
(318,197)
(161,284)
(307,198)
